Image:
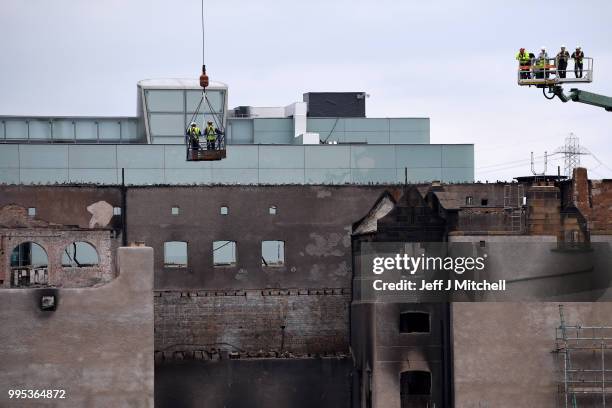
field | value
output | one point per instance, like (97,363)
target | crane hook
(204,78)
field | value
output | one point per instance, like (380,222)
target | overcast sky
(452,61)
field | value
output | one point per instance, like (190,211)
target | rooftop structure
(265,145)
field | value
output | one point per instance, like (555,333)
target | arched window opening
(80,254)
(29,265)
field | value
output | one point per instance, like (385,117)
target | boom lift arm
(577,95)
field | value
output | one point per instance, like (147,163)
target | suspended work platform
(549,74)
(205,155)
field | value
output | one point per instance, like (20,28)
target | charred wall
(300,307)
(313,221)
(295,383)
(308,294)
(253,323)
(392,346)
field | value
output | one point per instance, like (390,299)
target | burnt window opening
(224,210)
(272,210)
(224,253)
(80,254)
(484,202)
(272,253)
(175,254)
(29,254)
(116,210)
(414,383)
(469,200)
(31,211)
(29,265)
(175,211)
(414,322)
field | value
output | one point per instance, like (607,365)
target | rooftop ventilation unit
(336,104)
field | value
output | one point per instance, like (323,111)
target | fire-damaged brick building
(288,310)
(240,277)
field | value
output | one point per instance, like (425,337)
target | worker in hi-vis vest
(193,135)
(524,61)
(211,136)
(541,64)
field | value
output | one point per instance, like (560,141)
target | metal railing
(547,72)
(193,153)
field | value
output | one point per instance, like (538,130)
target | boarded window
(224,253)
(414,383)
(175,254)
(414,322)
(29,255)
(272,253)
(80,255)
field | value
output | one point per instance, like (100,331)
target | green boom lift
(546,75)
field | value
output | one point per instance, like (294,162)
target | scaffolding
(513,205)
(586,381)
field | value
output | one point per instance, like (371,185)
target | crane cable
(202,2)
(204,96)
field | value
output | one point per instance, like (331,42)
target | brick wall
(54,242)
(600,221)
(593,198)
(250,323)
(544,210)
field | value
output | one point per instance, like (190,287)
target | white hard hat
(563,46)
(192,124)
(543,48)
(579,48)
